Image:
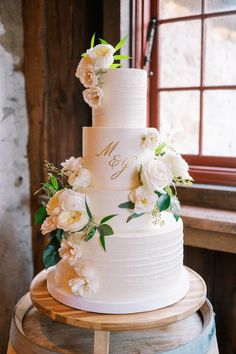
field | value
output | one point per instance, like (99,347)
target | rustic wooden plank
(209,219)
(210,240)
(101,342)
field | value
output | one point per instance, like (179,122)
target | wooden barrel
(34,333)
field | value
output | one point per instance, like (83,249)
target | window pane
(219,123)
(220,5)
(179,116)
(179,8)
(220,68)
(180,54)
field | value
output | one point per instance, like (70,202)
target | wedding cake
(116,238)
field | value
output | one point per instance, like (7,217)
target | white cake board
(67,298)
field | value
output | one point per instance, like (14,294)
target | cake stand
(102,324)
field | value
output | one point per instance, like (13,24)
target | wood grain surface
(194,299)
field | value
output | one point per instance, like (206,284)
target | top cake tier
(124,99)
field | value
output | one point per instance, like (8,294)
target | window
(193,88)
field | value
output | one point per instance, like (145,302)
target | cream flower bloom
(72,164)
(71,249)
(49,224)
(144,200)
(177,165)
(71,200)
(93,96)
(81,178)
(101,56)
(84,62)
(85,284)
(151,140)
(155,174)
(53,206)
(88,76)
(72,221)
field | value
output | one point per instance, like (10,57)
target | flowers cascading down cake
(115,235)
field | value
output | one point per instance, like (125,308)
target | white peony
(70,200)
(72,221)
(71,249)
(81,178)
(152,139)
(85,284)
(93,96)
(155,174)
(101,56)
(144,200)
(49,224)
(71,164)
(177,165)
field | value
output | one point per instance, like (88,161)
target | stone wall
(15,230)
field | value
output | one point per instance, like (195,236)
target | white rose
(151,140)
(72,164)
(177,165)
(93,96)
(88,76)
(81,178)
(49,224)
(155,174)
(85,284)
(71,249)
(101,56)
(143,199)
(70,200)
(53,205)
(72,221)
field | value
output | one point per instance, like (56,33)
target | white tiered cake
(142,268)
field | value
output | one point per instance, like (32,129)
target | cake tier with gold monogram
(135,262)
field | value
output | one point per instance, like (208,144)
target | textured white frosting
(114,155)
(124,100)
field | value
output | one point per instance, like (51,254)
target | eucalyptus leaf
(92,40)
(134,216)
(175,207)
(102,41)
(88,210)
(120,57)
(126,205)
(91,233)
(40,215)
(50,255)
(59,234)
(107,218)
(114,66)
(105,230)
(163,202)
(103,242)
(121,43)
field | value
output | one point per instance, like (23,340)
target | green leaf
(175,207)
(163,202)
(50,255)
(88,210)
(103,242)
(40,215)
(121,43)
(105,230)
(83,55)
(107,218)
(92,40)
(102,41)
(120,57)
(91,233)
(169,191)
(59,234)
(54,182)
(159,149)
(126,205)
(114,66)
(134,216)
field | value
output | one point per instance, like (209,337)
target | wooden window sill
(209,228)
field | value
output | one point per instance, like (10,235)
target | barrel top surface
(192,302)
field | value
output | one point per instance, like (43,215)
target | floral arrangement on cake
(65,214)
(93,64)
(158,177)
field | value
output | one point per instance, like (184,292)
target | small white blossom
(101,56)
(152,139)
(144,200)
(93,96)
(71,249)
(177,165)
(71,165)
(80,178)
(85,284)
(156,174)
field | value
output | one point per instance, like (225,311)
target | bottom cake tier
(140,271)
